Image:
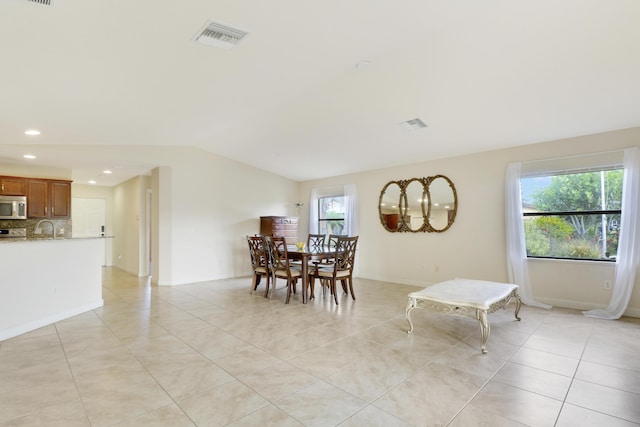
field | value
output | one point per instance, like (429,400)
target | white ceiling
(95,75)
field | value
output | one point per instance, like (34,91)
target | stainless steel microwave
(13,207)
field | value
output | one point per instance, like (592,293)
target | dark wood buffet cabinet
(280,226)
(46,198)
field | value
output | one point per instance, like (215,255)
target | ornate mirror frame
(416,205)
(389,206)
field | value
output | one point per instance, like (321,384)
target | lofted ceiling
(317,88)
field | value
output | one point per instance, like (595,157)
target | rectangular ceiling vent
(43,2)
(413,124)
(219,35)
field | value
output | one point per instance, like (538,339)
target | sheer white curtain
(351,210)
(313,212)
(516,247)
(628,257)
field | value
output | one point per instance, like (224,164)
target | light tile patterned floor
(211,354)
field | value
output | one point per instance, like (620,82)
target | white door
(88,218)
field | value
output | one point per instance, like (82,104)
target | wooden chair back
(315,241)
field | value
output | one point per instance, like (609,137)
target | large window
(334,210)
(331,215)
(573,215)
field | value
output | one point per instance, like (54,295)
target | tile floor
(211,354)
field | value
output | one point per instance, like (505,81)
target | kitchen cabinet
(280,226)
(12,186)
(48,198)
(60,192)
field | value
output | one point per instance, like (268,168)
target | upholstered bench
(464,297)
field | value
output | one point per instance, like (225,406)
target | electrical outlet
(607,284)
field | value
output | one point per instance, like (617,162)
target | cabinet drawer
(291,237)
(283,221)
(285,227)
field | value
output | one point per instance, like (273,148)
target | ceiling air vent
(413,124)
(44,2)
(219,35)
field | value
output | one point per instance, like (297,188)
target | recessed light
(29,156)
(92,182)
(32,132)
(107,171)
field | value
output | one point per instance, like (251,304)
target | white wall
(215,203)
(474,247)
(35,171)
(126,231)
(161,222)
(46,281)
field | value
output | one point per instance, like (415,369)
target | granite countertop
(38,239)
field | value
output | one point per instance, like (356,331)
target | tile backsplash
(63,227)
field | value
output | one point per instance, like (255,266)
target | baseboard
(45,321)
(418,283)
(583,306)
(632,312)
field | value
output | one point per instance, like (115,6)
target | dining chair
(339,268)
(259,262)
(280,265)
(315,241)
(333,239)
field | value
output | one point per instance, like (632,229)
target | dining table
(307,255)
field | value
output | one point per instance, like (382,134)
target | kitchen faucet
(38,230)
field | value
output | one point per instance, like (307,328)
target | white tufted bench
(464,297)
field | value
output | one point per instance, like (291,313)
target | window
(573,215)
(334,210)
(331,215)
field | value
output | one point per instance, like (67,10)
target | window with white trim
(331,215)
(333,210)
(573,214)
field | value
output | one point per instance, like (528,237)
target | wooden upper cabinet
(12,186)
(48,198)
(37,198)
(60,200)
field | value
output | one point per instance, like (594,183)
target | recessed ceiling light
(29,156)
(107,171)
(32,132)
(92,182)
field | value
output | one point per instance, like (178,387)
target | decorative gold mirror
(413,209)
(443,203)
(389,206)
(418,205)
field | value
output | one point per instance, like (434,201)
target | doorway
(89,218)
